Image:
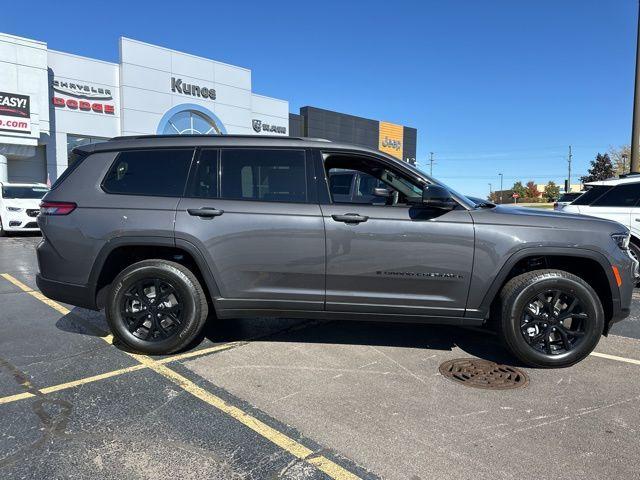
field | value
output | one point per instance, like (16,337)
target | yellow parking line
(121,371)
(615,357)
(35,294)
(322,463)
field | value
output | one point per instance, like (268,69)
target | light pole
(501,178)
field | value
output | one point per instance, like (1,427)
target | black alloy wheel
(553,322)
(152,308)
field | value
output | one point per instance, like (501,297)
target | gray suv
(164,231)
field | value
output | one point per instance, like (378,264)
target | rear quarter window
(157,172)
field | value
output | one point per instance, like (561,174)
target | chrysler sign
(81,90)
(85,97)
(178,86)
(15,113)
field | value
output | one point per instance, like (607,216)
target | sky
(492,86)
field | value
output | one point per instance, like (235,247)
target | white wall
(66,67)
(23,70)
(145,75)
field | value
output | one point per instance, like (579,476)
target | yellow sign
(390,139)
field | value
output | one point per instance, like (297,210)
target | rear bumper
(78,295)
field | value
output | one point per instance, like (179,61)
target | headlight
(622,240)
(14,209)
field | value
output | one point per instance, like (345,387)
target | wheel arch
(121,252)
(590,265)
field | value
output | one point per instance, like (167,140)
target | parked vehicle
(614,199)
(160,231)
(19,206)
(565,199)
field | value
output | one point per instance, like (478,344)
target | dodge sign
(15,113)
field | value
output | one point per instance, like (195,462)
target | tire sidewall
(191,310)
(515,307)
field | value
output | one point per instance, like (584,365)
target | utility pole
(431,164)
(568,189)
(501,178)
(490,190)
(635,129)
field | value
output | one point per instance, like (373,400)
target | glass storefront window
(74,141)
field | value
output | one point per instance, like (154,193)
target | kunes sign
(177,85)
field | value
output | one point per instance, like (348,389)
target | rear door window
(265,175)
(158,172)
(591,195)
(624,195)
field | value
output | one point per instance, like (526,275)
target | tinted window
(592,194)
(340,183)
(24,192)
(269,175)
(569,197)
(204,183)
(160,173)
(625,195)
(366,185)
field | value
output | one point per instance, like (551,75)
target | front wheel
(156,307)
(550,318)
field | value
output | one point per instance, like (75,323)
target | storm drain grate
(483,374)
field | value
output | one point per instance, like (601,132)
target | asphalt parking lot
(296,399)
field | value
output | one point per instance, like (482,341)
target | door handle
(205,212)
(350,218)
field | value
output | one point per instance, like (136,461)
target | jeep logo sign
(177,85)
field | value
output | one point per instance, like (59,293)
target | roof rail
(273,137)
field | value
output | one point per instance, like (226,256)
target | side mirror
(435,196)
(381,192)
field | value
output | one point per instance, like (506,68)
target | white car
(614,199)
(19,206)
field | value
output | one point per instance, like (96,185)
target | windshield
(24,192)
(467,203)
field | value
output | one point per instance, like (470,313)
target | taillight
(57,208)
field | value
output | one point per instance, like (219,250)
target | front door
(394,257)
(252,213)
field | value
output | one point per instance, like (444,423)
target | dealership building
(52,101)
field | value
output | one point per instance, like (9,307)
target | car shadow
(477,342)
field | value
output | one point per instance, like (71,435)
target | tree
(552,191)
(621,158)
(532,190)
(519,189)
(601,169)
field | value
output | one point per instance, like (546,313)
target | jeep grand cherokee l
(163,232)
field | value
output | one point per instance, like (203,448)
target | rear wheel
(156,307)
(550,318)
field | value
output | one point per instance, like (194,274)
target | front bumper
(19,222)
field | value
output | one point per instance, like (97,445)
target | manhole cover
(483,374)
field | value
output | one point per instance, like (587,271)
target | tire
(532,330)
(151,327)
(3,232)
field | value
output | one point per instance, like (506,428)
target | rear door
(616,204)
(253,213)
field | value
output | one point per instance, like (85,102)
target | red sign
(84,105)
(515,195)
